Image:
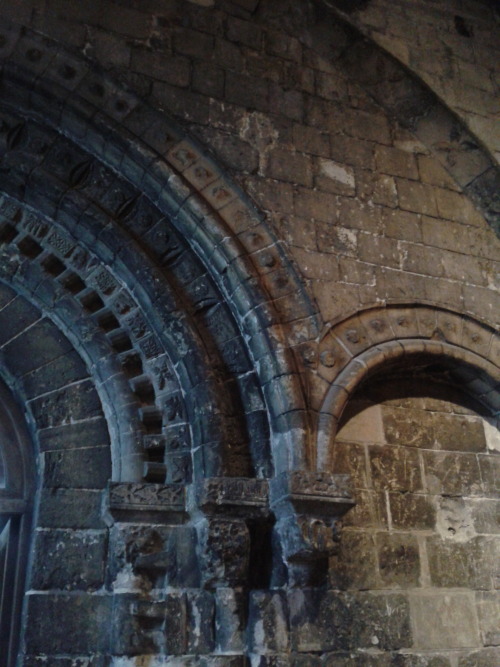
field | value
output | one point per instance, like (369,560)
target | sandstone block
(469,564)
(444,619)
(416,197)
(456,474)
(69,560)
(395,468)
(399,560)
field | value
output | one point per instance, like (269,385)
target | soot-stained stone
(200,612)
(58,373)
(398,559)
(69,560)
(45,343)
(355,567)
(16,316)
(85,629)
(70,508)
(44,661)
(71,436)
(226,545)
(74,403)
(268,622)
(229,620)
(88,468)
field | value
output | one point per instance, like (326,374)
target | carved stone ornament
(237,496)
(226,549)
(307,538)
(317,493)
(143,502)
(308,505)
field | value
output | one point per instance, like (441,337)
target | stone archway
(163,170)
(411,415)
(358,347)
(17,487)
(150,295)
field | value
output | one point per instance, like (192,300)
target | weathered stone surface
(85,629)
(267,622)
(58,373)
(355,566)
(150,240)
(226,546)
(488,607)
(240,495)
(71,508)
(143,556)
(486,516)
(455,474)
(321,492)
(412,511)
(398,559)
(87,468)
(467,564)
(444,618)
(395,468)
(134,502)
(340,621)
(487,657)
(425,660)
(38,661)
(349,458)
(69,560)
(368,629)
(74,403)
(229,620)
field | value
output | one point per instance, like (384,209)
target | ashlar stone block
(444,619)
(488,607)
(399,560)
(69,560)
(395,468)
(467,564)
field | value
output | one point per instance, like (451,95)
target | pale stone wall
(426,521)
(452,46)
(368,213)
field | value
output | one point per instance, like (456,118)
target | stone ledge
(318,493)
(234,495)
(131,502)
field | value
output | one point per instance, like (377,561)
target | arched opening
(17,482)
(420,549)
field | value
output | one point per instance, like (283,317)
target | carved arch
(376,340)
(143,184)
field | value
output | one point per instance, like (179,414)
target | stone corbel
(308,506)
(140,502)
(231,507)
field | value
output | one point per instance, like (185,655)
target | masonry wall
(452,46)
(365,209)
(424,532)
(370,229)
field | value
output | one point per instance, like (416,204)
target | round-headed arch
(130,169)
(377,341)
